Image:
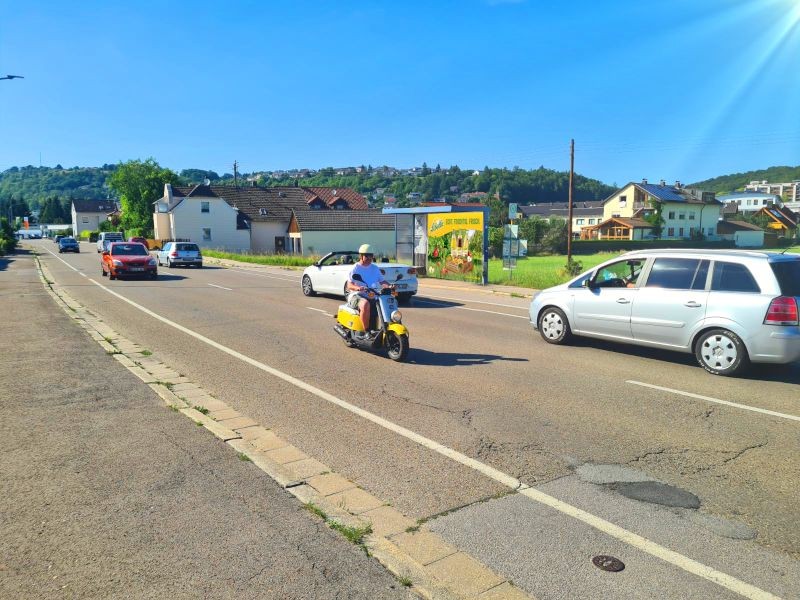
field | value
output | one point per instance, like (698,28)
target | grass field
(539,272)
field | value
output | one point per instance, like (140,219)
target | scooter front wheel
(396,346)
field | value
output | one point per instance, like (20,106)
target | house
(743,234)
(201,215)
(88,214)
(750,202)
(584,214)
(245,218)
(687,213)
(789,192)
(313,232)
(781,219)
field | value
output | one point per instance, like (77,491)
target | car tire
(554,326)
(169,263)
(721,352)
(307,286)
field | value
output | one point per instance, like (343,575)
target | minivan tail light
(174,253)
(782,311)
(412,271)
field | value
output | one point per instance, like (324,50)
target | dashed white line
(637,541)
(491,312)
(717,400)
(220,287)
(320,310)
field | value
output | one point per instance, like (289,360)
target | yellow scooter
(386,329)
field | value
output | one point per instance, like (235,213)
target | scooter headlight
(397,316)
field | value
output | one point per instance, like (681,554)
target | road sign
(512,211)
(511,232)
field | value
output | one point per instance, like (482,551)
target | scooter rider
(370,275)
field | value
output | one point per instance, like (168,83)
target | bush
(594,246)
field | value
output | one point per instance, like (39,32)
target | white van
(108,236)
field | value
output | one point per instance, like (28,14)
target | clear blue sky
(673,89)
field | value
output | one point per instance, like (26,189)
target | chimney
(662,183)
(644,180)
(677,184)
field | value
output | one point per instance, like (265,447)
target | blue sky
(672,89)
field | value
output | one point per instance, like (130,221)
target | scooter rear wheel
(396,346)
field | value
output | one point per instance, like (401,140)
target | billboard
(455,245)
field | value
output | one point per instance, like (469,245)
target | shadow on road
(758,372)
(422,301)
(9,258)
(452,359)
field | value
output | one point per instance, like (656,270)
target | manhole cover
(608,563)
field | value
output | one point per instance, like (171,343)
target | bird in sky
(13,77)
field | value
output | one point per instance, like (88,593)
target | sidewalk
(108,493)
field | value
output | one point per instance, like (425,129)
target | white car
(329,275)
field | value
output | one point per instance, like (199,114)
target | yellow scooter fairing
(349,320)
(398,328)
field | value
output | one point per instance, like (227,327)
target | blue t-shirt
(371,275)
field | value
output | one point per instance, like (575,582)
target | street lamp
(13,77)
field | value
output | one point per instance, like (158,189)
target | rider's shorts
(353,298)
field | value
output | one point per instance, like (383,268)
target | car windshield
(787,272)
(128,250)
(341,259)
(188,248)
(67,240)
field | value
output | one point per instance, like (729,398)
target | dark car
(127,258)
(68,244)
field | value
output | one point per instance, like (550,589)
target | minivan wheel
(721,352)
(554,326)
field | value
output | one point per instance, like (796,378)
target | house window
(691,216)
(671,214)
(204,207)
(682,216)
(591,221)
(206,233)
(84,219)
(579,221)
(623,201)
(671,232)
(710,231)
(680,232)
(615,215)
(262,212)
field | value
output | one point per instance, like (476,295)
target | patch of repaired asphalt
(657,493)
(605,474)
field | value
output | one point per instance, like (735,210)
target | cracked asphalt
(108,494)
(480,381)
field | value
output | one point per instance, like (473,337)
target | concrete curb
(419,558)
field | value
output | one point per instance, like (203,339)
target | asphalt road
(108,494)
(711,482)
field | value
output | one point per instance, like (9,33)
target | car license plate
(137,268)
(402,286)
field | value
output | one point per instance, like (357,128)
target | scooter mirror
(357,277)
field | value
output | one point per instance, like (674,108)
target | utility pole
(569,218)
(235,174)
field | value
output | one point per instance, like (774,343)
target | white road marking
(717,400)
(220,287)
(525,308)
(320,310)
(645,545)
(491,312)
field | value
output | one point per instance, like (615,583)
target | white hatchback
(329,275)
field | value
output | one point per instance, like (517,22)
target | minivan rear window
(733,277)
(787,272)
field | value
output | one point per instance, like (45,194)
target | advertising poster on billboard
(455,246)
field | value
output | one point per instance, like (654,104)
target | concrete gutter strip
(437,570)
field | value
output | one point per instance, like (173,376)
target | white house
(750,202)
(743,234)
(88,214)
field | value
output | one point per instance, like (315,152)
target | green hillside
(736,181)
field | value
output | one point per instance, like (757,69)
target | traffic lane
(520,452)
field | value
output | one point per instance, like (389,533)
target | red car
(127,258)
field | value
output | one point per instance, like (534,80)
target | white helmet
(365,249)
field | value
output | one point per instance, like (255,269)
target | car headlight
(152,262)
(116,263)
(397,316)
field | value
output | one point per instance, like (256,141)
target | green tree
(138,184)
(655,218)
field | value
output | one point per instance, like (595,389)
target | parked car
(329,275)
(180,253)
(126,258)
(727,307)
(106,237)
(68,244)
(58,238)
(139,240)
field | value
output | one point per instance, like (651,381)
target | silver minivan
(727,307)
